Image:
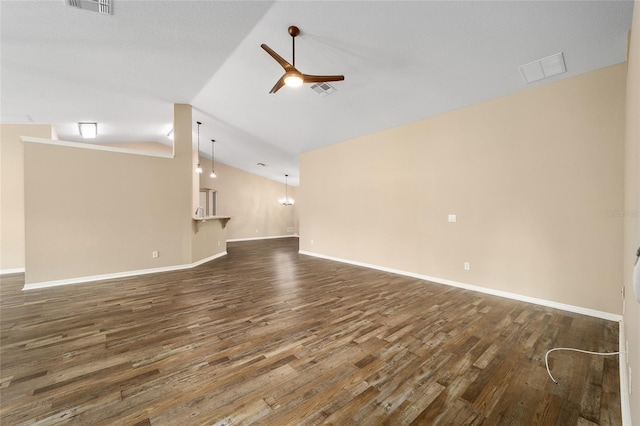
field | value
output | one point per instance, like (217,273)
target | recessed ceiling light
(88,130)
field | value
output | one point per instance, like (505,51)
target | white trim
(11,271)
(94,147)
(625,404)
(500,293)
(207,259)
(206,218)
(46,284)
(235,240)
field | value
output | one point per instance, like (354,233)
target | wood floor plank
(268,336)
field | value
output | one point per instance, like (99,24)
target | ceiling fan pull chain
(293,43)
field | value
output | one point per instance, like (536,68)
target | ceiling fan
(292,77)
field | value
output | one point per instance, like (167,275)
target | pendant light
(286,201)
(213,173)
(198,167)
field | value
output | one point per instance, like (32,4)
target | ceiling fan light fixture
(293,79)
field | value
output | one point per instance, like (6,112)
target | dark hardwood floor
(268,336)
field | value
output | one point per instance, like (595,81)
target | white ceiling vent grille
(101,6)
(323,89)
(543,68)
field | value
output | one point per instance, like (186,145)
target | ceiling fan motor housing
(294,31)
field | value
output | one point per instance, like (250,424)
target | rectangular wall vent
(323,89)
(543,68)
(101,6)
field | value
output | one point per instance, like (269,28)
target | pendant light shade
(286,201)
(198,167)
(213,173)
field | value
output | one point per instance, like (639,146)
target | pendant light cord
(198,168)
(212,152)
(199,123)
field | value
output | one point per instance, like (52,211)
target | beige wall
(209,239)
(94,212)
(251,201)
(12,191)
(632,210)
(530,177)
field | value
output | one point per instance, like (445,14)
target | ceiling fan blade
(321,78)
(278,85)
(283,63)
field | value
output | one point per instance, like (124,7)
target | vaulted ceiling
(402,61)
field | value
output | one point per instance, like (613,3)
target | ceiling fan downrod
(294,31)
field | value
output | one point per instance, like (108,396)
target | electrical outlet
(290,229)
(467,266)
(311,242)
(453,218)
(155,254)
(218,243)
(256,231)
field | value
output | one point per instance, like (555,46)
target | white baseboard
(625,403)
(235,240)
(562,306)
(205,260)
(11,271)
(125,274)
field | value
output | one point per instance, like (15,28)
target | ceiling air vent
(323,89)
(101,6)
(543,68)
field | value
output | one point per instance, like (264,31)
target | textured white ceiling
(402,61)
